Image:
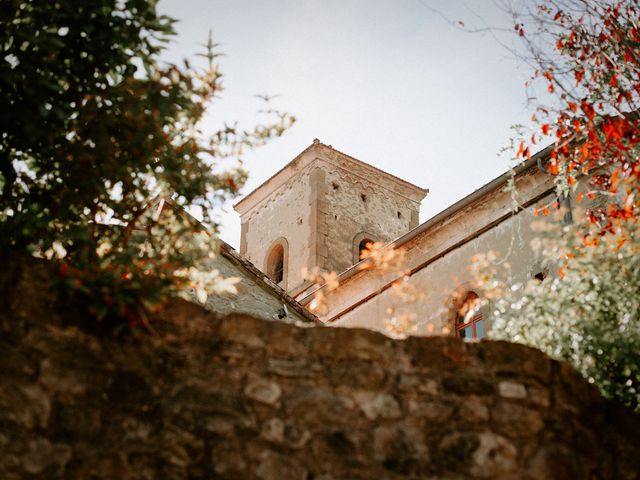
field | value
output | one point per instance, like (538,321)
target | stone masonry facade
(243,398)
(319,207)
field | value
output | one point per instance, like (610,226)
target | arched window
(469,320)
(363,248)
(360,242)
(275,263)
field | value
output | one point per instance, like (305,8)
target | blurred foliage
(586,55)
(97,132)
(587,312)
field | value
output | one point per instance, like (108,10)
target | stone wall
(241,398)
(319,204)
(358,208)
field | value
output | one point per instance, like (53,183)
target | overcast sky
(386,81)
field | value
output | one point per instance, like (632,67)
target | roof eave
(493,185)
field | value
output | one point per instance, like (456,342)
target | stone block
(357,374)
(494,457)
(243,330)
(468,383)
(317,407)
(377,405)
(440,353)
(514,390)
(399,448)
(294,367)
(273,466)
(434,411)
(43,455)
(263,390)
(286,433)
(515,420)
(473,409)
(424,384)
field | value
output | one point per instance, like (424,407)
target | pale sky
(386,81)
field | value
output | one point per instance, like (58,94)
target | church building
(320,211)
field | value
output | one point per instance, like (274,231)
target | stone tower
(318,210)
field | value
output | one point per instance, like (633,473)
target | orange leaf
(561,272)
(545,129)
(614,181)
(585,151)
(579,197)
(571,180)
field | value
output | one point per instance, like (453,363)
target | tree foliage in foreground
(588,313)
(94,127)
(587,55)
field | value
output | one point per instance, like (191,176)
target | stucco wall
(245,398)
(285,213)
(442,255)
(320,222)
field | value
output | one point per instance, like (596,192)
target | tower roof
(328,153)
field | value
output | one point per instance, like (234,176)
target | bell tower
(318,211)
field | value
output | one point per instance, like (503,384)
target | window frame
(475,316)
(473,322)
(269,263)
(357,240)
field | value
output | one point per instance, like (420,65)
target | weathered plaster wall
(316,203)
(439,281)
(252,298)
(285,213)
(348,214)
(447,248)
(245,398)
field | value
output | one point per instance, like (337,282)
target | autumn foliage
(97,132)
(591,74)
(586,56)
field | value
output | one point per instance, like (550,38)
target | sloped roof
(262,279)
(259,277)
(494,185)
(318,144)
